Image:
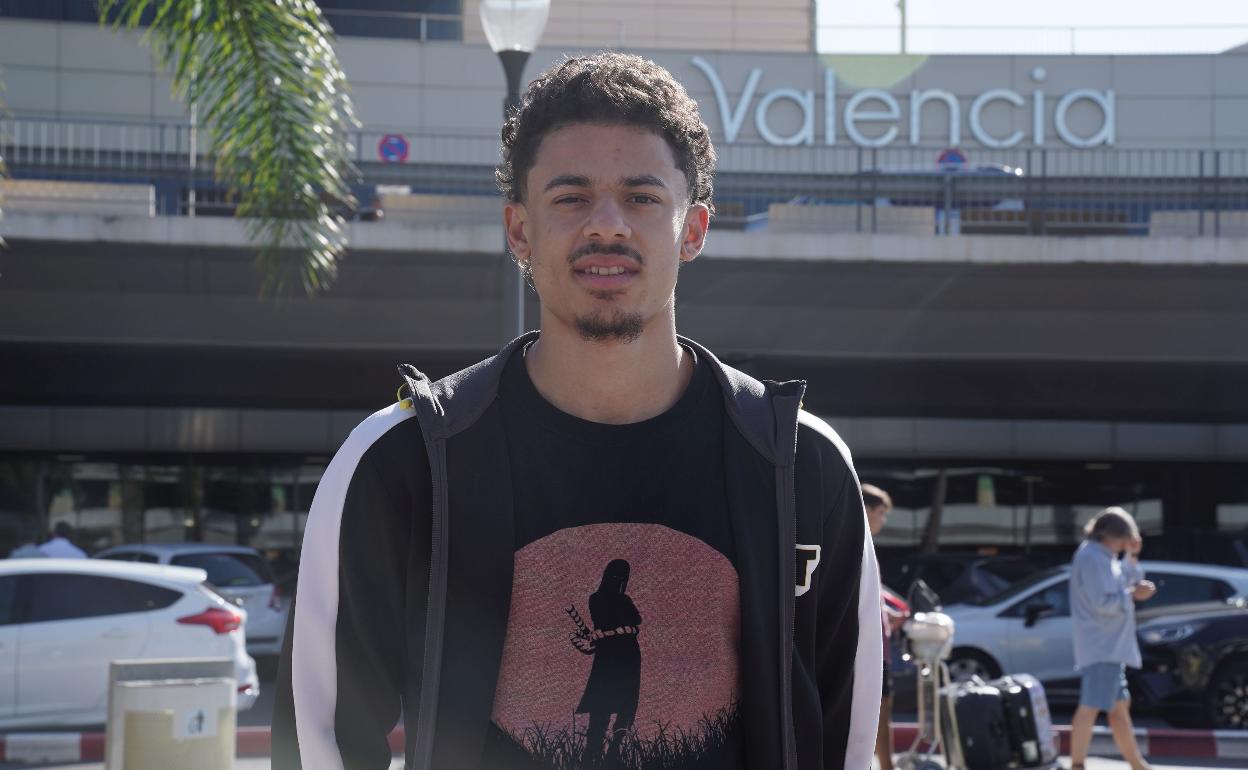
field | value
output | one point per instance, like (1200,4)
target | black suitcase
(977,738)
(1027,720)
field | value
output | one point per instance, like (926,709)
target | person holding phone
(1106,581)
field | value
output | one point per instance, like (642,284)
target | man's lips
(605,272)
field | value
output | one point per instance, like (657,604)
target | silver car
(237,572)
(1027,627)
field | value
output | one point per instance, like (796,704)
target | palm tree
(266,80)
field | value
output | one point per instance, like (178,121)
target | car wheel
(965,663)
(1227,696)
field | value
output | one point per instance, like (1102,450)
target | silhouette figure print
(615,676)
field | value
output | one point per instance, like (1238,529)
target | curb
(257,742)
(1154,742)
(250,742)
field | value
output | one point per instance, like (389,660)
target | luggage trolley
(1008,726)
(929,640)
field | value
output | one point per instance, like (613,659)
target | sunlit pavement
(261,763)
(1094,763)
(261,715)
(1100,763)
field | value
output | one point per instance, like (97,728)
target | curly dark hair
(610,88)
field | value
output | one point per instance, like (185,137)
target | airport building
(1016,284)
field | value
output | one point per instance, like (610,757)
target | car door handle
(114,633)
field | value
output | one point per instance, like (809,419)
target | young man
(601,545)
(1103,593)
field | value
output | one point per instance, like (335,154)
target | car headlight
(1169,633)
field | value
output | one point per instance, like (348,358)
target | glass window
(1056,596)
(1019,588)
(168,503)
(57,596)
(228,570)
(405,19)
(939,575)
(8,593)
(1184,589)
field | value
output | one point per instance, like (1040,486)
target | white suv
(237,572)
(63,620)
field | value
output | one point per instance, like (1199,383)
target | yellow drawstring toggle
(404,403)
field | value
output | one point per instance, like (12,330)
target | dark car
(1195,668)
(958,578)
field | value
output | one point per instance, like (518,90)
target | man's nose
(607,221)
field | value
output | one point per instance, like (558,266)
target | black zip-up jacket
(406,572)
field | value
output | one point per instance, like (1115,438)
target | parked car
(1195,664)
(957,577)
(237,572)
(63,620)
(1027,627)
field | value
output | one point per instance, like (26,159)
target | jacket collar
(764,411)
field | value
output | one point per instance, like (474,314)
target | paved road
(1094,763)
(1061,717)
(261,714)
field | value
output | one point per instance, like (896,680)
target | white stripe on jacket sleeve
(869,657)
(313,675)
(868,664)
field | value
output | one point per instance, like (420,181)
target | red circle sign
(951,157)
(393,148)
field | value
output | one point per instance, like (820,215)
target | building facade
(1015,284)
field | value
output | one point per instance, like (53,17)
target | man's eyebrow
(566,180)
(643,180)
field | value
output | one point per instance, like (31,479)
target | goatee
(620,327)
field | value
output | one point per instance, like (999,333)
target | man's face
(605,223)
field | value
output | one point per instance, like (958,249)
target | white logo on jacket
(807,560)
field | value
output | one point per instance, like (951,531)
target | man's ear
(693,238)
(515,223)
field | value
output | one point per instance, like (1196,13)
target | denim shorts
(1102,684)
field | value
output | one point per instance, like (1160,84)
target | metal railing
(1022,191)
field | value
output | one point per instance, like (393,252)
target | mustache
(617,249)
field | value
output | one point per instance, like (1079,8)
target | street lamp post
(901,6)
(513,28)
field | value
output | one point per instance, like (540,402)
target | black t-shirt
(622,645)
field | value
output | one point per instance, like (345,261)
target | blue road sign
(392,148)
(951,158)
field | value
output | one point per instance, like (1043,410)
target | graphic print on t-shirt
(621,651)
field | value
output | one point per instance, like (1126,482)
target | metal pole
(190,170)
(901,5)
(1200,197)
(193,138)
(513,280)
(1217,192)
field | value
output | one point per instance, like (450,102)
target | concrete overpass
(995,345)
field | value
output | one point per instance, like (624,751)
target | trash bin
(171,713)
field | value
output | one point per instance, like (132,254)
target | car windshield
(1010,570)
(228,570)
(1018,588)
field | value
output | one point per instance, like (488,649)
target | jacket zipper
(426,717)
(789,630)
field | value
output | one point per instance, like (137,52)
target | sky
(1034,26)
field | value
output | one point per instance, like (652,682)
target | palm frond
(268,85)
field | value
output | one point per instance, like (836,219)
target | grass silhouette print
(705,747)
